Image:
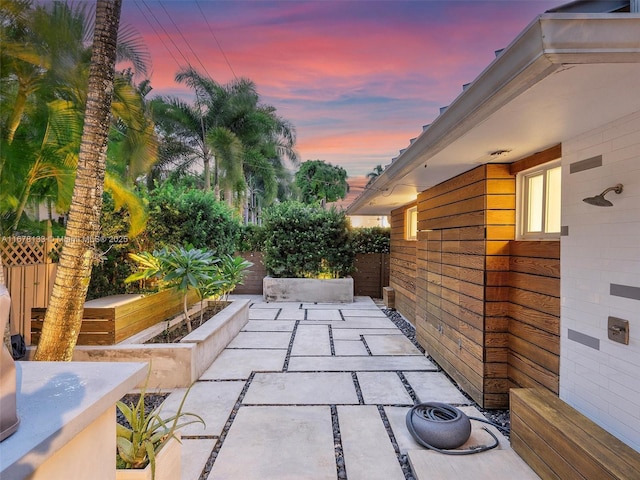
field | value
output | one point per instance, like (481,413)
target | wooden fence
(370,277)
(29,272)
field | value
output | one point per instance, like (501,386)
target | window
(539,192)
(411,223)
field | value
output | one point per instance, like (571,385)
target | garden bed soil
(179,331)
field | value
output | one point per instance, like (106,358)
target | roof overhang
(563,75)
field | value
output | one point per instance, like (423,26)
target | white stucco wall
(599,377)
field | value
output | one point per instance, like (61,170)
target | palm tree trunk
(64,316)
(16,115)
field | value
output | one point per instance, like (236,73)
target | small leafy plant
(138,445)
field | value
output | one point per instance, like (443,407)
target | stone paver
(324,315)
(320,388)
(213,401)
(368,452)
(195,453)
(355,333)
(383,388)
(238,364)
(263,313)
(435,387)
(278,443)
(349,347)
(391,345)
(261,340)
(274,326)
(292,314)
(283,426)
(353,364)
(311,340)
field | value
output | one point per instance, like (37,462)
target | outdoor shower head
(599,200)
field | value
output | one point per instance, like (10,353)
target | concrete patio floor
(315,392)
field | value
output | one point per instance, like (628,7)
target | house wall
(402,265)
(601,277)
(486,307)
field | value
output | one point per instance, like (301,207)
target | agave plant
(138,445)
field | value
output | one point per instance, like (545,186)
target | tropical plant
(321,182)
(375,173)
(64,315)
(232,271)
(138,444)
(176,267)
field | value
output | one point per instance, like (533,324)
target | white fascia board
(549,43)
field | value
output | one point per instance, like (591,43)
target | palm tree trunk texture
(64,316)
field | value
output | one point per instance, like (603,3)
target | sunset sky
(358,79)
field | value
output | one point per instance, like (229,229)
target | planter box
(174,365)
(110,320)
(168,464)
(336,290)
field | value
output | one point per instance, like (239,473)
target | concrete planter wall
(336,290)
(175,365)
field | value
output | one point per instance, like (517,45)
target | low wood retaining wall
(110,320)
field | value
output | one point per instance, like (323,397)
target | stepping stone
(349,348)
(368,453)
(391,345)
(383,388)
(292,314)
(363,313)
(311,340)
(213,401)
(263,313)
(238,364)
(324,315)
(491,465)
(361,322)
(261,340)
(435,387)
(195,454)
(354,333)
(277,443)
(364,363)
(275,326)
(301,388)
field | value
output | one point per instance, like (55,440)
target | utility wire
(166,33)
(217,42)
(157,34)
(185,40)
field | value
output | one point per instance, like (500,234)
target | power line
(185,40)
(217,42)
(166,33)
(157,34)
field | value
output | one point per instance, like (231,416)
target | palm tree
(52,119)
(64,316)
(377,171)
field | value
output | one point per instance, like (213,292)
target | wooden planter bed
(110,320)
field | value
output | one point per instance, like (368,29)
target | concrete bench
(558,442)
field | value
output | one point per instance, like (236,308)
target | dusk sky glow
(357,79)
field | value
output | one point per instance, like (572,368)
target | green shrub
(252,238)
(180,216)
(371,240)
(306,241)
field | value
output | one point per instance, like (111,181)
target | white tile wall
(603,247)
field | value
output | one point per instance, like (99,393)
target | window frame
(408,222)
(522,195)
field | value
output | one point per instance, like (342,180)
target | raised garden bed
(110,320)
(316,290)
(173,365)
